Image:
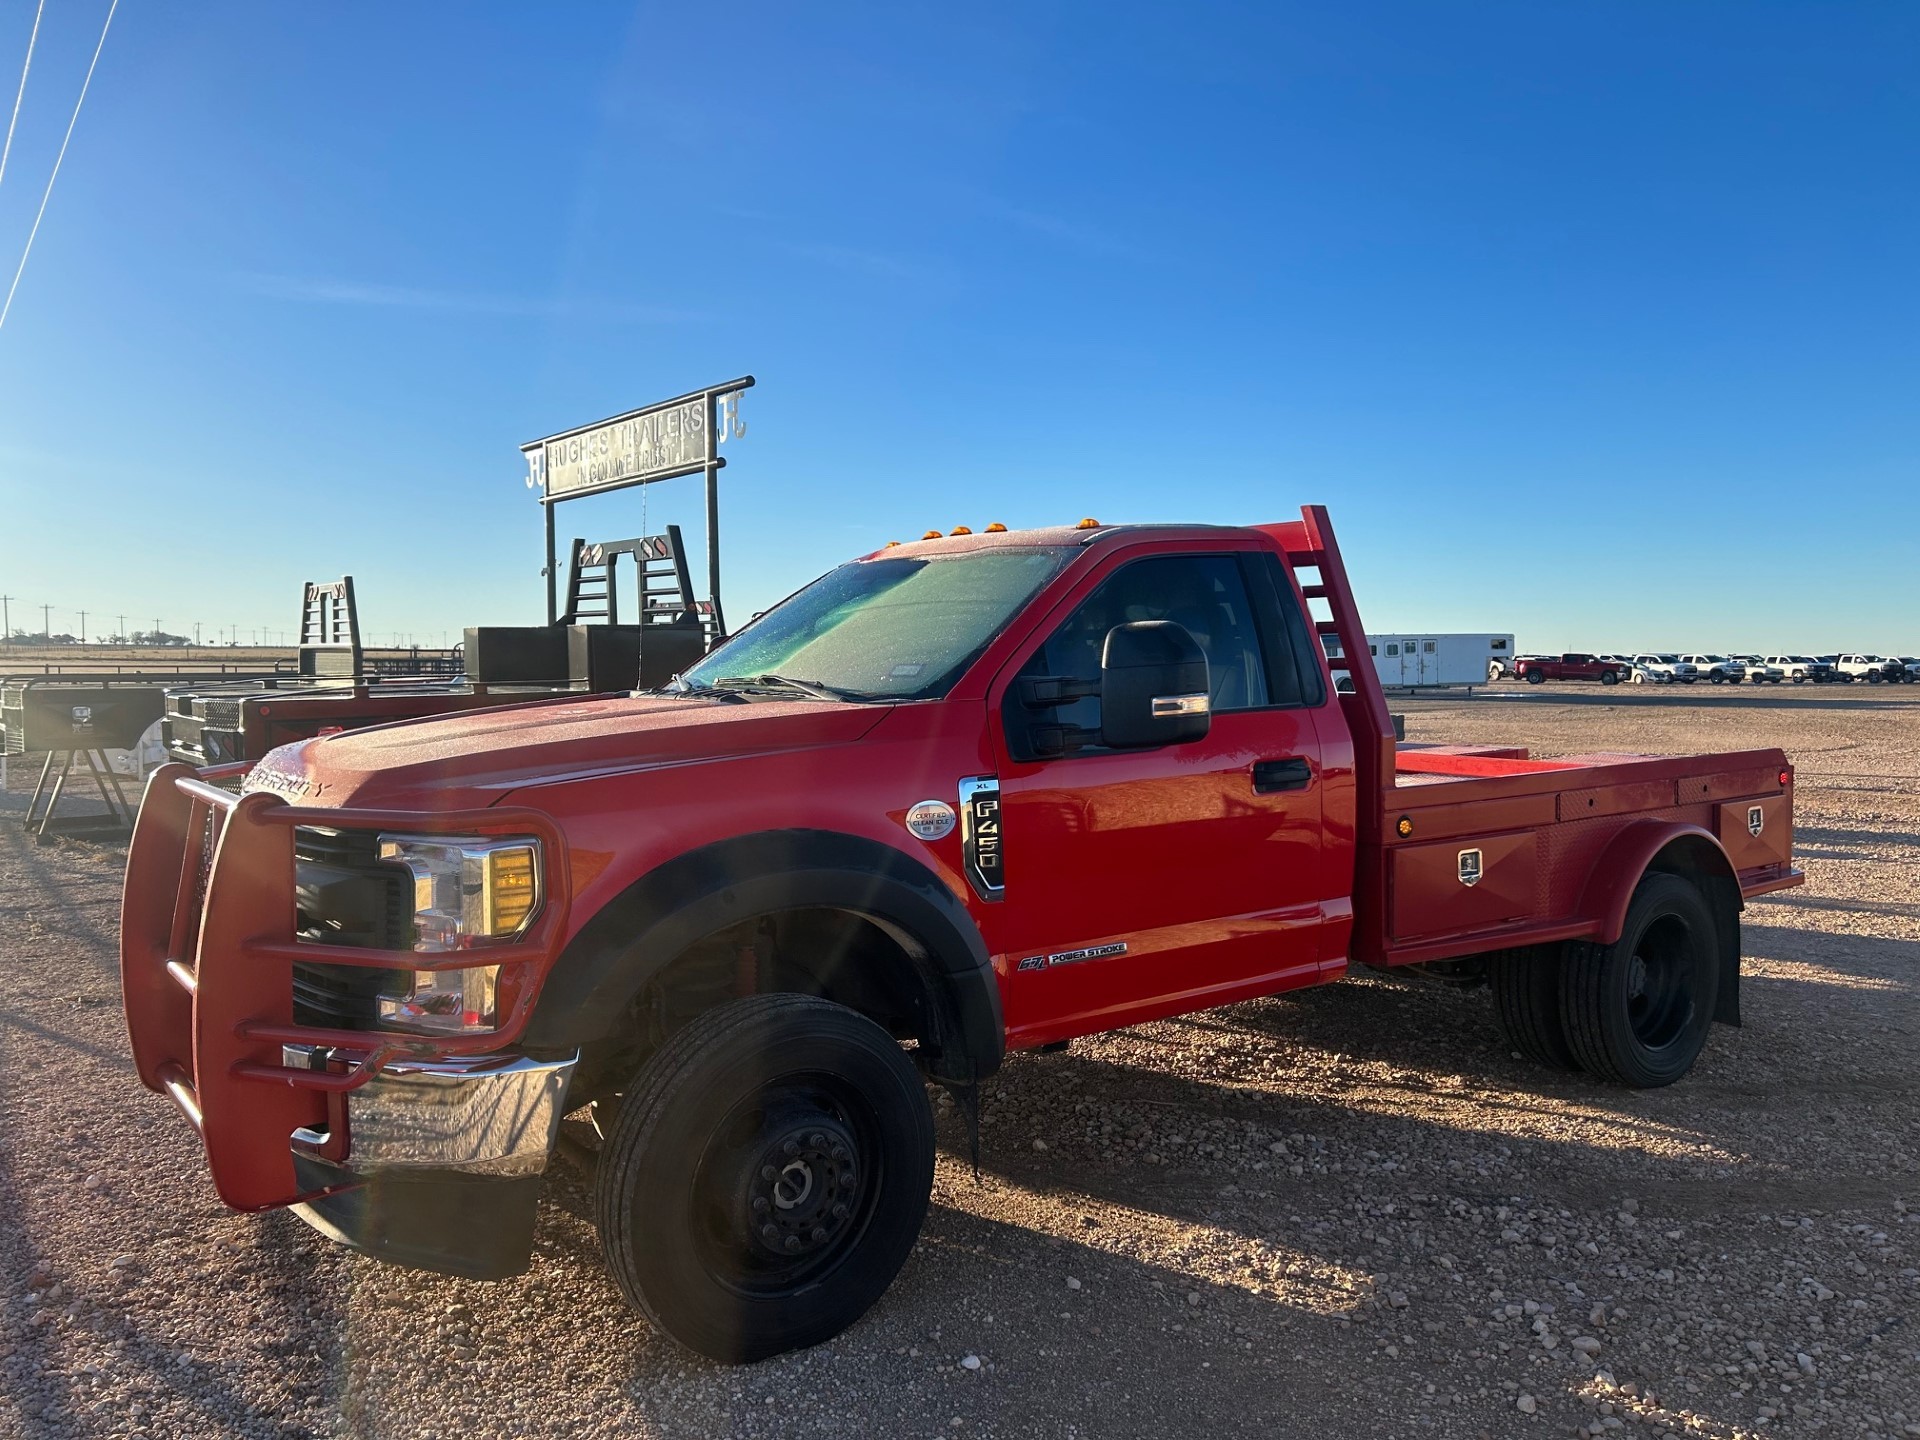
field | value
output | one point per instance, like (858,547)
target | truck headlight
(445,1002)
(467,892)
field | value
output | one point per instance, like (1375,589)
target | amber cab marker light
(1088,524)
(931,535)
(1404,826)
(996,528)
(960,530)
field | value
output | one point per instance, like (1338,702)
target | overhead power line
(47,194)
(21,93)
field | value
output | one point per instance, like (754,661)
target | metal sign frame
(616,446)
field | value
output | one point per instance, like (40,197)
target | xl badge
(1469,867)
(1756,820)
(931,820)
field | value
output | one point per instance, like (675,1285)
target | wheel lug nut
(816,1140)
(839,1152)
(767,1172)
(840,1211)
(790,1149)
(793,1243)
(818,1234)
(759,1202)
(769,1233)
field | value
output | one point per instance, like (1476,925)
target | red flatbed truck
(969,795)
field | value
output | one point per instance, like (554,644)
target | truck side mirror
(1153,686)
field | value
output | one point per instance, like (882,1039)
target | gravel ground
(1350,1211)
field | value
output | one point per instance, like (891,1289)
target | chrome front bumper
(477,1115)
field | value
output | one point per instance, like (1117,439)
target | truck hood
(472,759)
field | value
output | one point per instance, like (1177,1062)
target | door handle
(1292,773)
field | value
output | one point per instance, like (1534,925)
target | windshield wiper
(702,690)
(814,689)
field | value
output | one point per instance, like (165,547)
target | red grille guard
(207,949)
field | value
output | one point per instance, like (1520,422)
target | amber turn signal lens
(1404,826)
(510,889)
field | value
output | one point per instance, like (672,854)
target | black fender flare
(667,910)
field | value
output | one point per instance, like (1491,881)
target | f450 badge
(1470,867)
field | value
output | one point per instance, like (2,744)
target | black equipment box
(73,714)
(517,654)
(629,657)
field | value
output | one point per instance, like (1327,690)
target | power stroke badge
(1072,957)
(931,820)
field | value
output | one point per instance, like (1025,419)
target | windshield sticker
(905,672)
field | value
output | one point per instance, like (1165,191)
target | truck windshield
(882,629)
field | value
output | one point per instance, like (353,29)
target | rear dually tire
(1637,1011)
(1526,1002)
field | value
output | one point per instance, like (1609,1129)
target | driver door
(1149,882)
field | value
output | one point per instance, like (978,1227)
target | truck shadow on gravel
(48,1401)
(991,1277)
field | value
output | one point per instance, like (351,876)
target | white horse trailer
(1408,661)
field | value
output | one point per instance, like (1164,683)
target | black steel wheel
(765,1176)
(1609,677)
(1637,1011)
(1526,1002)
(1536,677)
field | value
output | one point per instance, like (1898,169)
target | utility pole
(196,634)
(83,627)
(123,628)
(6,618)
(46,621)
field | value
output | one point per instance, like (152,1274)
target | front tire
(1536,677)
(766,1176)
(1637,1011)
(1609,677)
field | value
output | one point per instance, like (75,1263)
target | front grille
(346,896)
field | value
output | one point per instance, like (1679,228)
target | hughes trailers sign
(668,440)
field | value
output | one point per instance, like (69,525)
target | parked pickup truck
(1573,666)
(956,798)
(1667,668)
(1801,668)
(1761,671)
(1719,669)
(1862,665)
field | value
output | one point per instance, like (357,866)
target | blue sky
(1596,323)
